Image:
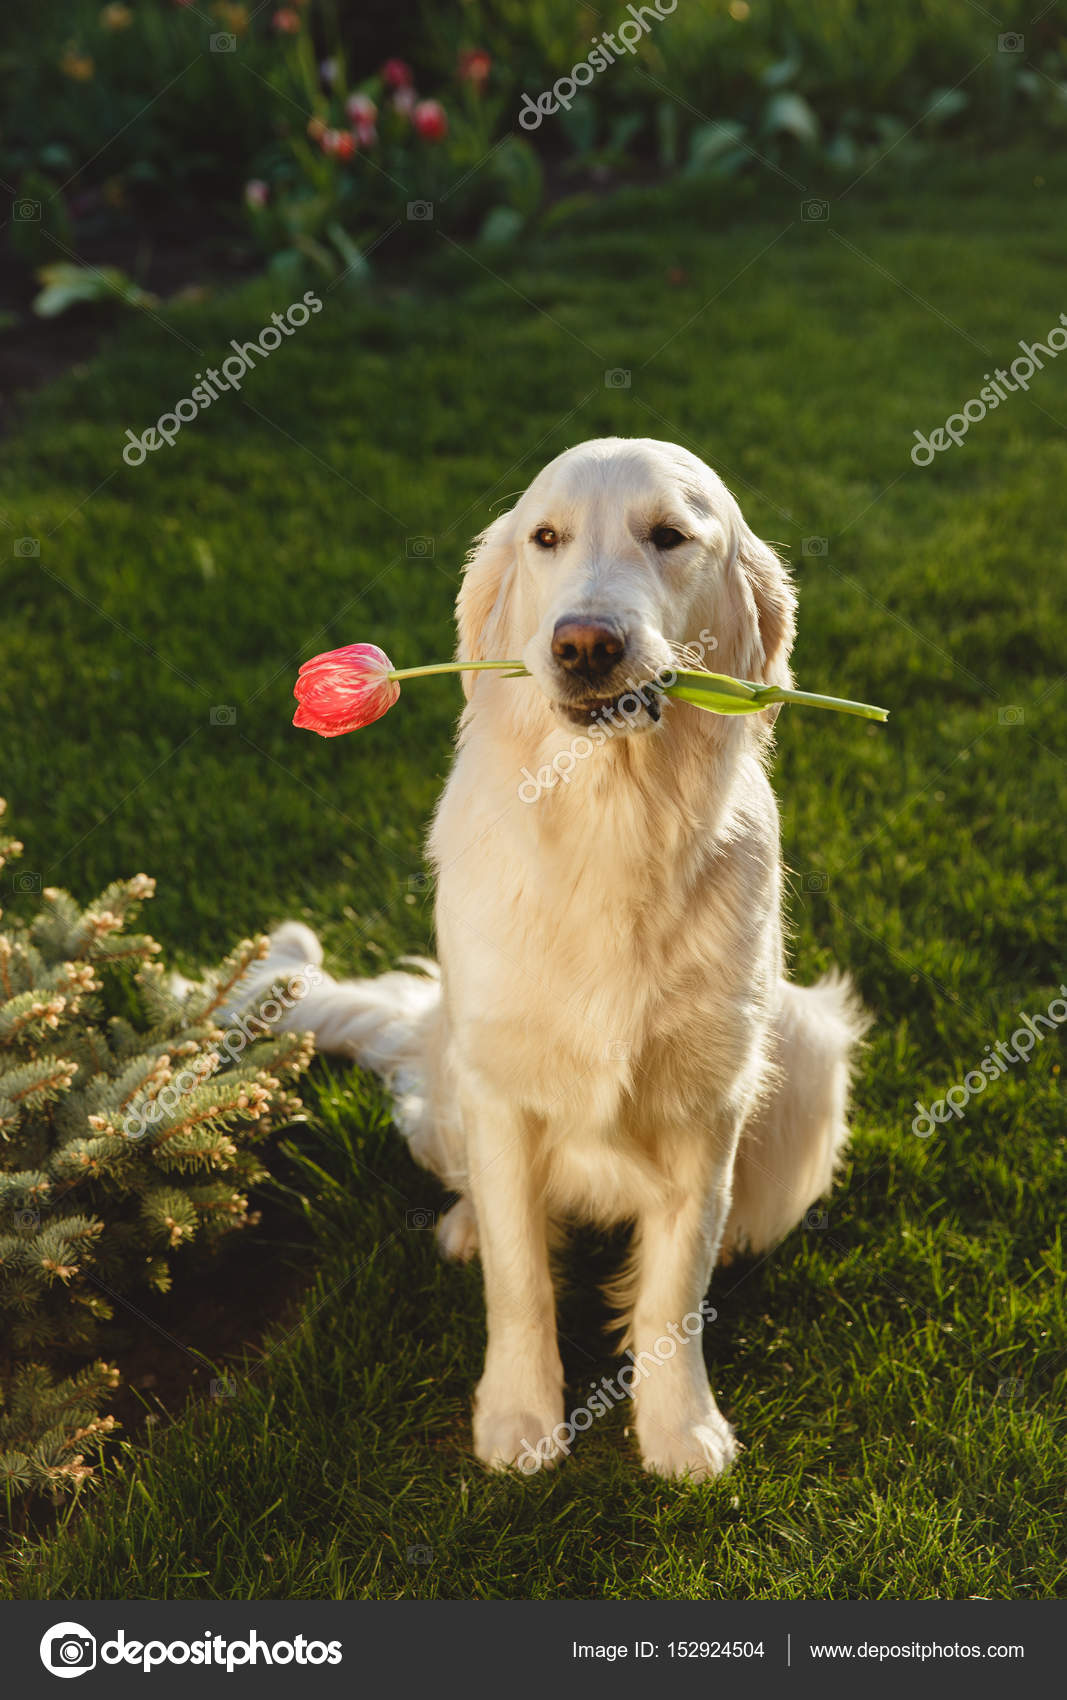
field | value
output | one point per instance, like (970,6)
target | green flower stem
(454,667)
(865,710)
(716,692)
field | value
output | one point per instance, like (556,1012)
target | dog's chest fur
(607,950)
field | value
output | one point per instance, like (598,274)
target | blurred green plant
(67,285)
(121,116)
(377,154)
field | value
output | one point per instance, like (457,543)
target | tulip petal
(344,689)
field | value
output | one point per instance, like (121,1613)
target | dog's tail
(388,1024)
(788,1155)
(378,1022)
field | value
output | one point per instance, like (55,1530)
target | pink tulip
(257,193)
(405,102)
(396,74)
(344,689)
(366,134)
(338,143)
(361,109)
(430,121)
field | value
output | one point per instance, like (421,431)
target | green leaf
(781,72)
(318,254)
(720,694)
(566,208)
(709,142)
(288,266)
(716,702)
(667,133)
(842,152)
(623,130)
(790,113)
(697,679)
(945,104)
(579,124)
(67,285)
(57,157)
(517,169)
(502,224)
(715,692)
(356,271)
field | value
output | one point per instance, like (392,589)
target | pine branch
(125,1142)
(222,981)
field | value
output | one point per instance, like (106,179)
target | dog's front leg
(519,1400)
(680,1429)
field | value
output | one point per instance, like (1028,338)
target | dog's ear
(758,622)
(776,605)
(484,597)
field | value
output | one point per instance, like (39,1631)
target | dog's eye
(667,537)
(546,537)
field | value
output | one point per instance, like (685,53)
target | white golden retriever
(610,1037)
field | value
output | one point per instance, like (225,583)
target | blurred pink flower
(286,21)
(361,109)
(405,101)
(430,121)
(338,143)
(344,689)
(257,193)
(396,74)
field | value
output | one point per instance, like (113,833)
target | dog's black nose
(586,646)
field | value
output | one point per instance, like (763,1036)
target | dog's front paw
(697,1450)
(457,1232)
(517,1437)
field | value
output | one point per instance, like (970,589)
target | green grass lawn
(898,1374)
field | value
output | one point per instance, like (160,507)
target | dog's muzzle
(631,708)
(600,680)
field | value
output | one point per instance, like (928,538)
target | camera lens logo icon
(68,1649)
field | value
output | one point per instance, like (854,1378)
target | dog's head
(622,556)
